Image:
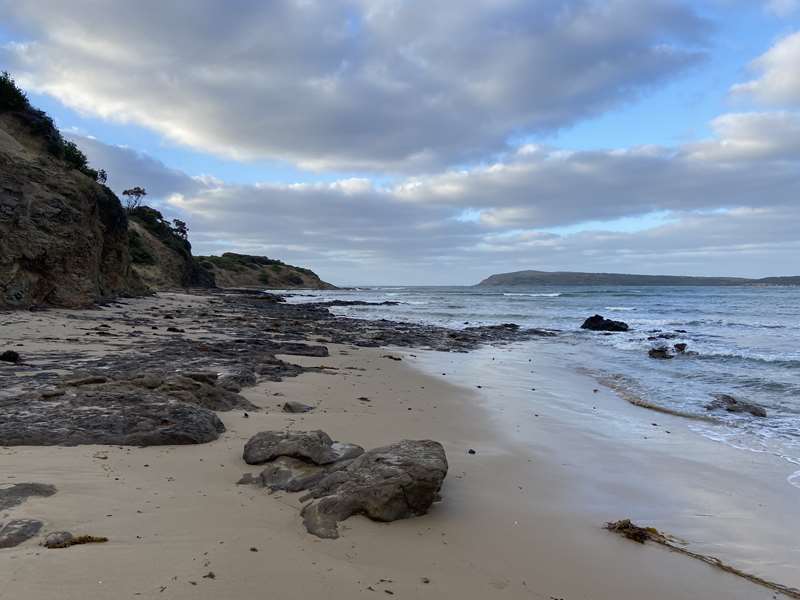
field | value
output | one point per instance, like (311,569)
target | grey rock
(393,482)
(292,406)
(13,494)
(661,352)
(237,379)
(128,417)
(600,323)
(57,539)
(17,531)
(288,474)
(312,446)
(732,405)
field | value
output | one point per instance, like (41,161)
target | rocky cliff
(243,271)
(63,236)
(160,253)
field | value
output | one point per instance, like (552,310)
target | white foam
(542,295)
(620,308)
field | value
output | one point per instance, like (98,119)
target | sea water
(742,341)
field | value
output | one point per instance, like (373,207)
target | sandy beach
(522,517)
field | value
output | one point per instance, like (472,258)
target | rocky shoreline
(157,373)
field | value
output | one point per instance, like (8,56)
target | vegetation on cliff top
(13,99)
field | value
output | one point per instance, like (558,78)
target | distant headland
(531,278)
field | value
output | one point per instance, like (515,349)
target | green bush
(11,97)
(264,278)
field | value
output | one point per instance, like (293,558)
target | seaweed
(640,535)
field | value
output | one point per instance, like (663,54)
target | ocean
(742,341)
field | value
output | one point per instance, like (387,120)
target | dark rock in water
(732,405)
(314,446)
(16,493)
(17,531)
(129,417)
(292,406)
(600,323)
(10,356)
(662,352)
(393,482)
(681,348)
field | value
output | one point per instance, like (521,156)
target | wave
(620,308)
(539,295)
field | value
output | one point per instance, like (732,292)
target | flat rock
(312,446)
(292,406)
(393,482)
(733,405)
(129,417)
(14,494)
(57,539)
(600,323)
(14,532)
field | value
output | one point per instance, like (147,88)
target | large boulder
(733,405)
(127,417)
(600,323)
(311,446)
(393,482)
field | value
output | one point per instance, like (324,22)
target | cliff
(243,271)
(534,278)
(160,253)
(63,236)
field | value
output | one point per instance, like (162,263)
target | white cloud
(779,80)
(350,84)
(782,8)
(726,205)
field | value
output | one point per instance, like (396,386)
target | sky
(435,143)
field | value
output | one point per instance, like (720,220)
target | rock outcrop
(63,236)
(600,323)
(398,481)
(233,270)
(312,446)
(733,405)
(393,482)
(161,254)
(136,417)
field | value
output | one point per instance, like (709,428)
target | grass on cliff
(13,99)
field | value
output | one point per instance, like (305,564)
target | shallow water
(744,341)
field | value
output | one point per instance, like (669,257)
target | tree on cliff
(134,198)
(180,228)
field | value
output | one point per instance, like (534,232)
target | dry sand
(514,521)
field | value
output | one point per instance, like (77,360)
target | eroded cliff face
(63,237)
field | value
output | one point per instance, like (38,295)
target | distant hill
(243,271)
(533,278)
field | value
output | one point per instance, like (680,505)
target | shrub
(264,278)
(11,97)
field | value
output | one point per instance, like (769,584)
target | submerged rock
(17,531)
(680,348)
(661,352)
(314,446)
(600,323)
(397,481)
(10,356)
(128,417)
(732,405)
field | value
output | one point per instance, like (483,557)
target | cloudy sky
(439,141)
